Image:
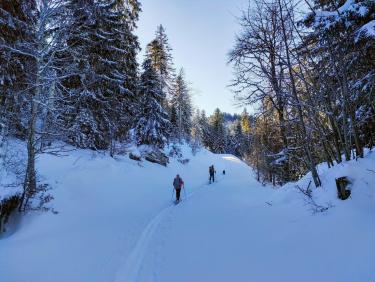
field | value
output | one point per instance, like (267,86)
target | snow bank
(360,172)
(13,154)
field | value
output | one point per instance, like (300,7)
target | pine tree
(153,125)
(181,104)
(160,54)
(204,128)
(240,144)
(196,129)
(102,55)
(133,8)
(16,18)
(218,132)
(173,118)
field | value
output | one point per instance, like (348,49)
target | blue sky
(201,33)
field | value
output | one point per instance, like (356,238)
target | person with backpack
(178,183)
(212,171)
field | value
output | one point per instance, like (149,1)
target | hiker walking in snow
(178,183)
(212,171)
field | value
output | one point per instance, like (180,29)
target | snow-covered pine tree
(16,16)
(180,103)
(240,144)
(201,130)
(160,54)
(206,130)
(218,137)
(173,118)
(153,125)
(133,8)
(78,116)
(102,54)
(196,131)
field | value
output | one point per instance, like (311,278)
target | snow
(350,7)
(116,222)
(368,29)
(12,158)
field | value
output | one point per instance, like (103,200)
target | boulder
(157,157)
(341,184)
(7,207)
(135,157)
(183,161)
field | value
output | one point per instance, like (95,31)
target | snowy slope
(116,222)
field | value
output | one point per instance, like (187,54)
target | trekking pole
(185,193)
(172,194)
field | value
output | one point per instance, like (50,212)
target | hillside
(116,222)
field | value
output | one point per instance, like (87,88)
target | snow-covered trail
(116,223)
(181,247)
(134,261)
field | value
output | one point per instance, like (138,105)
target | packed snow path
(117,223)
(131,270)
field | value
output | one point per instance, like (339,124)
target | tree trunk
(280,112)
(29,186)
(327,155)
(286,176)
(352,118)
(305,135)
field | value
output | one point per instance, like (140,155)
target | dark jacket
(177,183)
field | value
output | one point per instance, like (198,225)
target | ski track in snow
(130,271)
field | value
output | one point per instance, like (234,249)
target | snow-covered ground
(117,223)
